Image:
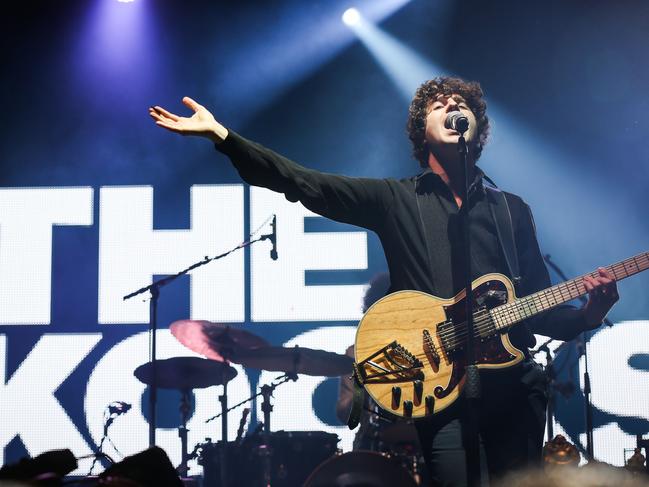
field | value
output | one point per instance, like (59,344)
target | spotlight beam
(521,161)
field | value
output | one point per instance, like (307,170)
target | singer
(417,222)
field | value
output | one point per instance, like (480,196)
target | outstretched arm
(202,123)
(359,201)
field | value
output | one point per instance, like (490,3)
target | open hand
(602,295)
(201,123)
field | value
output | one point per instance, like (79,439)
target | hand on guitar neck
(602,295)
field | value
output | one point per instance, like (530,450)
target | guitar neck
(509,314)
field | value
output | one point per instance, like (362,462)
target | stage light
(351,17)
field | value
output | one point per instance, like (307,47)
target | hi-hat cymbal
(214,340)
(186,373)
(297,359)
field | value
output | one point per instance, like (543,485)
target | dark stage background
(95,199)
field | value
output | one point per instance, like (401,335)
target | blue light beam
(563,193)
(406,68)
(284,52)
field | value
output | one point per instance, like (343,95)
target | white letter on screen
(112,379)
(278,288)
(131,252)
(619,390)
(26,219)
(29,407)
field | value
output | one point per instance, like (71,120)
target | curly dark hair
(427,93)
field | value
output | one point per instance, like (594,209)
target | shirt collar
(477,184)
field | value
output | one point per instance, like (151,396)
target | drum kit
(265,458)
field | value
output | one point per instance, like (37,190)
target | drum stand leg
(224,436)
(266,407)
(182,432)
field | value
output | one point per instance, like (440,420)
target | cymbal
(186,373)
(213,340)
(297,359)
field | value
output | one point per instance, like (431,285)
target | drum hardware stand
(266,391)
(565,388)
(643,443)
(549,370)
(185,407)
(282,379)
(265,449)
(583,341)
(223,399)
(154,289)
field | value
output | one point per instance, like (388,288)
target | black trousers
(511,418)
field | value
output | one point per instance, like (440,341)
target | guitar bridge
(430,349)
(392,363)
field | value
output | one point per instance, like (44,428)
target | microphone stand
(266,391)
(109,421)
(154,289)
(549,370)
(584,338)
(472,388)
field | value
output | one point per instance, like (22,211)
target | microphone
(273,238)
(118,407)
(457,121)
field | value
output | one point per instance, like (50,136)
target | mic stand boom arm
(154,289)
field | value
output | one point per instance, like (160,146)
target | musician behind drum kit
(372,422)
(416,220)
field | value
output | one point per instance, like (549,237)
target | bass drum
(292,455)
(360,468)
(211,457)
(289,457)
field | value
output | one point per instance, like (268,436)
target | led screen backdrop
(96,201)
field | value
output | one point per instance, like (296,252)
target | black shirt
(417,222)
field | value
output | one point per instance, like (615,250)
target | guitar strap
(358,398)
(504,227)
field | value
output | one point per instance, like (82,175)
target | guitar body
(423,372)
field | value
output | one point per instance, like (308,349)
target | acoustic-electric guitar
(409,350)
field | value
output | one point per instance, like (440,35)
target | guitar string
(552,296)
(562,291)
(460,332)
(517,308)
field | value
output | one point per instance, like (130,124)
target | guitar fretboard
(509,314)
